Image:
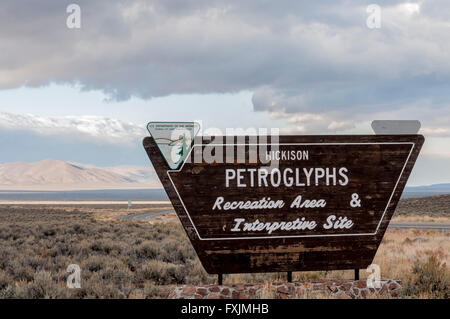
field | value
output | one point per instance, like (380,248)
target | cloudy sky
(86,94)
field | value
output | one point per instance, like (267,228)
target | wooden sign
(288,204)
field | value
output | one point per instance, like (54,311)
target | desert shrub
(407,241)
(162,273)
(43,283)
(101,246)
(94,263)
(5,253)
(153,291)
(148,249)
(196,274)
(130,262)
(78,229)
(7,293)
(95,288)
(35,262)
(118,259)
(49,232)
(42,286)
(60,249)
(430,277)
(83,248)
(5,280)
(116,272)
(19,270)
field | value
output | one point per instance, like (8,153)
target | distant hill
(445,186)
(434,206)
(52,174)
(428,190)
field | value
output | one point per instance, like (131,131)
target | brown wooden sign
(297,203)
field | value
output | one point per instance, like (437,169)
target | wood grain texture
(378,168)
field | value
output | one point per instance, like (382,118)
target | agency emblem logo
(174,140)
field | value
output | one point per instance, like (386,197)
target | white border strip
(293,236)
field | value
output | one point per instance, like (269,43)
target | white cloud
(100,128)
(409,8)
(436,131)
(309,123)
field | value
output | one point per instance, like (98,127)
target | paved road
(145,215)
(152,214)
(445,226)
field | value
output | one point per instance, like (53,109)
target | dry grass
(420,219)
(118,259)
(124,259)
(423,209)
(420,258)
(433,206)
(400,249)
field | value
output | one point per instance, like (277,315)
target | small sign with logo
(174,139)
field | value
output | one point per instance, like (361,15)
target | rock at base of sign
(340,289)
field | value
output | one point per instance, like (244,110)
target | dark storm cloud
(296,56)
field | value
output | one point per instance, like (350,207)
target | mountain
(444,186)
(52,174)
(427,190)
(136,173)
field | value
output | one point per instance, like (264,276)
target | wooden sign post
(293,203)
